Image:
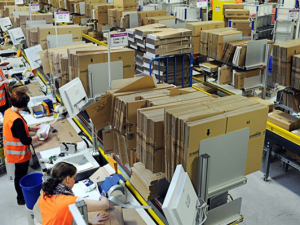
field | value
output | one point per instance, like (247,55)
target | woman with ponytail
(57,196)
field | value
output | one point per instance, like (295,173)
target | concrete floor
(275,202)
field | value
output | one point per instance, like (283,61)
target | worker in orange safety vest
(4,104)
(16,139)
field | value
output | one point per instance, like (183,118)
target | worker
(58,195)
(16,139)
(4,103)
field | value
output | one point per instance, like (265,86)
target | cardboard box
(103,13)
(125,4)
(237,13)
(197,27)
(284,120)
(254,117)
(225,75)
(232,6)
(239,77)
(244,27)
(267,103)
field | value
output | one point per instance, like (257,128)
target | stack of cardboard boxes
(187,125)
(103,13)
(9,10)
(295,77)
(43,32)
(137,41)
(239,16)
(169,42)
(197,28)
(213,41)
(72,61)
(119,16)
(144,15)
(145,181)
(22,19)
(5,3)
(282,61)
(170,123)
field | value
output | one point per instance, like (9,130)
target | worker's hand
(98,219)
(44,135)
(6,81)
(34,129)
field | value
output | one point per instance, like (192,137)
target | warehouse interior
(149,112)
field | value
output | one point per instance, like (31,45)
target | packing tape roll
(118,202)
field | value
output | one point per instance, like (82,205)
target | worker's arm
(93,205)
(18,131)
(6,81)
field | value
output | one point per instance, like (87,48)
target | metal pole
(56,34)
(267,162)
(109,65)
(267,56)
(203,177)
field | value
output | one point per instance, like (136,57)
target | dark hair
(58,173)
(19,99)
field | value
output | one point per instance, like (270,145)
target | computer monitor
(181,202)
(73,96)
(5,23)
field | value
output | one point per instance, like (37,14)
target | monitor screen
(73,96)
(181,202)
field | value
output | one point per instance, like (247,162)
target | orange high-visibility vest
(3,89)
(14,150)
(55,209)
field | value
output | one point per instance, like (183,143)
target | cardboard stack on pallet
(164,70)
(197,28)
(169,42)
(137,41)
(282,61)
(145,181)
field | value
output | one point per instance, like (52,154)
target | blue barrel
(31,185)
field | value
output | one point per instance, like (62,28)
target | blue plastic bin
(31,185)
